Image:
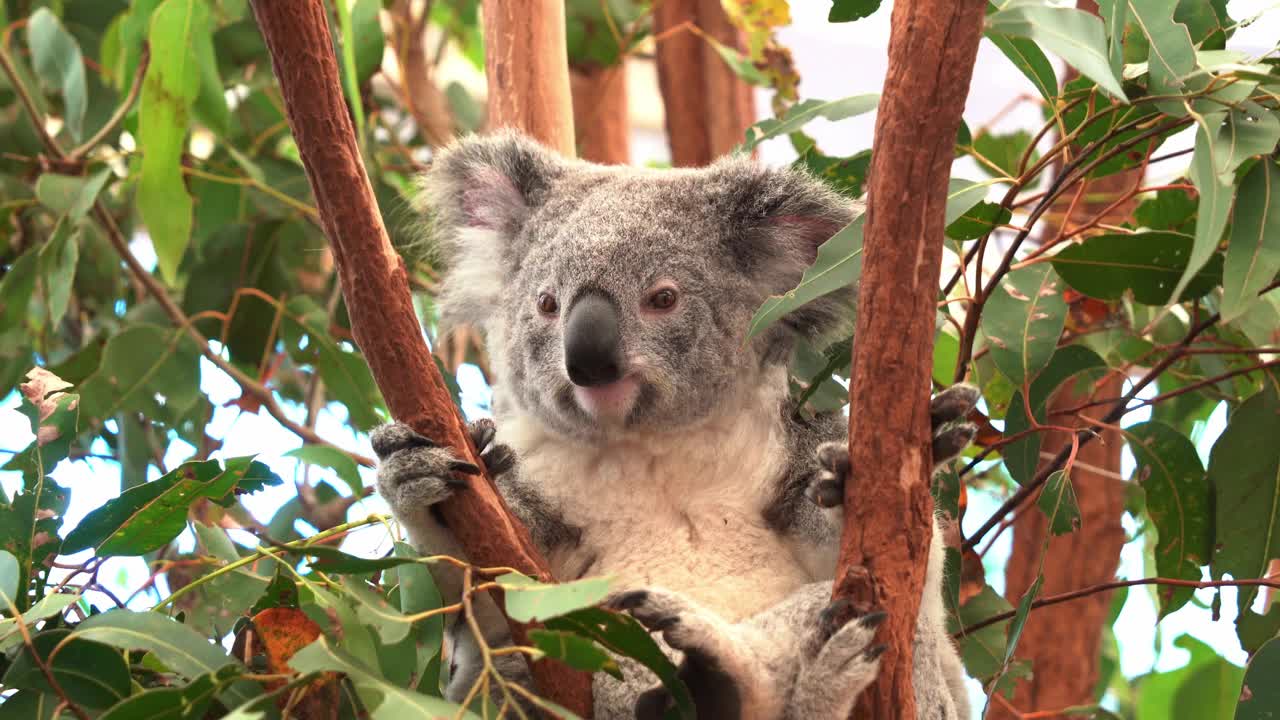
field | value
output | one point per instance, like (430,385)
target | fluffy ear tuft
(476,198)
(779,218)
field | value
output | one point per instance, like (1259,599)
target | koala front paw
(826,486)
(413,471)
(718,666)
(839,659)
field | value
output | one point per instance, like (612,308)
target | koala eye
(663,299)
(547,304)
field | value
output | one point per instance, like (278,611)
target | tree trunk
(376,289)
(600,118)
(708,107)
(526,66)
(889,518)
(424,98)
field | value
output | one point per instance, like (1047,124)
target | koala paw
(718,665)
(839,660)
(826,487)
(413,471)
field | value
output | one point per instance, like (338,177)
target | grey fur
(514,222)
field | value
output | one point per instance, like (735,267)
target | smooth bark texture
(525,64)
(600,113)
(889,510)
(376,289)
(708,107)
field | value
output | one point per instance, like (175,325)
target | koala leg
(826,488)
(725,665)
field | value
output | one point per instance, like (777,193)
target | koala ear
(779,219)
(476,198)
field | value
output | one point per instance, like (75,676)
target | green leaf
(418,593)
(71,195)
(58,260)
(333,458)
(623,635)
(333,560)
(983,651)
(1058,503)
(1003,151)
(32,705)
(528,600)
(1147,263)
(801,113)
(963,196)
(56,59)
(1179,501)
(1172,209)
(347,58)
(9,580)
(188,702)
(1078,37)
(1244,470)
(738,62)
(850,10)
(1023,321)
(1260,694)
(1221,147)
(143,518)
(1115,15)
(1022,457)
(127,380)
(1206,687)
(1030,61)
(369,42)
(575,651)
(1171,58)
(171,86)
(384,700)
(180,648)
(1253,250)
(48,606)
(980,220)
(837,265)
(92,674)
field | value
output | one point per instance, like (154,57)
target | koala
(639,434)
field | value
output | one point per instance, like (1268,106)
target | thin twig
(1116,584)
(121,112)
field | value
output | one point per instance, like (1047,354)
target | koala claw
(950,438)
(414,472)
(838,662)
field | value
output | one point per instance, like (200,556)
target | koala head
(617,299)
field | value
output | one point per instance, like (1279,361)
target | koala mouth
(613,401)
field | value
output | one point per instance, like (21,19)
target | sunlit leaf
(528,600)
(575,651)
(333,458)
(143,518)
(838,264)
(384,700)
(802,113)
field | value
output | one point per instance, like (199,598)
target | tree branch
(1104,587)
(376,288)
(889,520)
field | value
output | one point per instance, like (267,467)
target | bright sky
(834,62)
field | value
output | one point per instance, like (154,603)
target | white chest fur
(676,510)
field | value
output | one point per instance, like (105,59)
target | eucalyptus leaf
(1023,320)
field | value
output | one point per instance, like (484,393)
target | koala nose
(592,341)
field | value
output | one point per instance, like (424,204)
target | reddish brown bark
(600,113)
(708,107)
(376,289)
(1062,642)
(889,516)
(525,64)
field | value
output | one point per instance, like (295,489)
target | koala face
(618,299)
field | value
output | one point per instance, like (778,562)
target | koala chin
(639,434)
